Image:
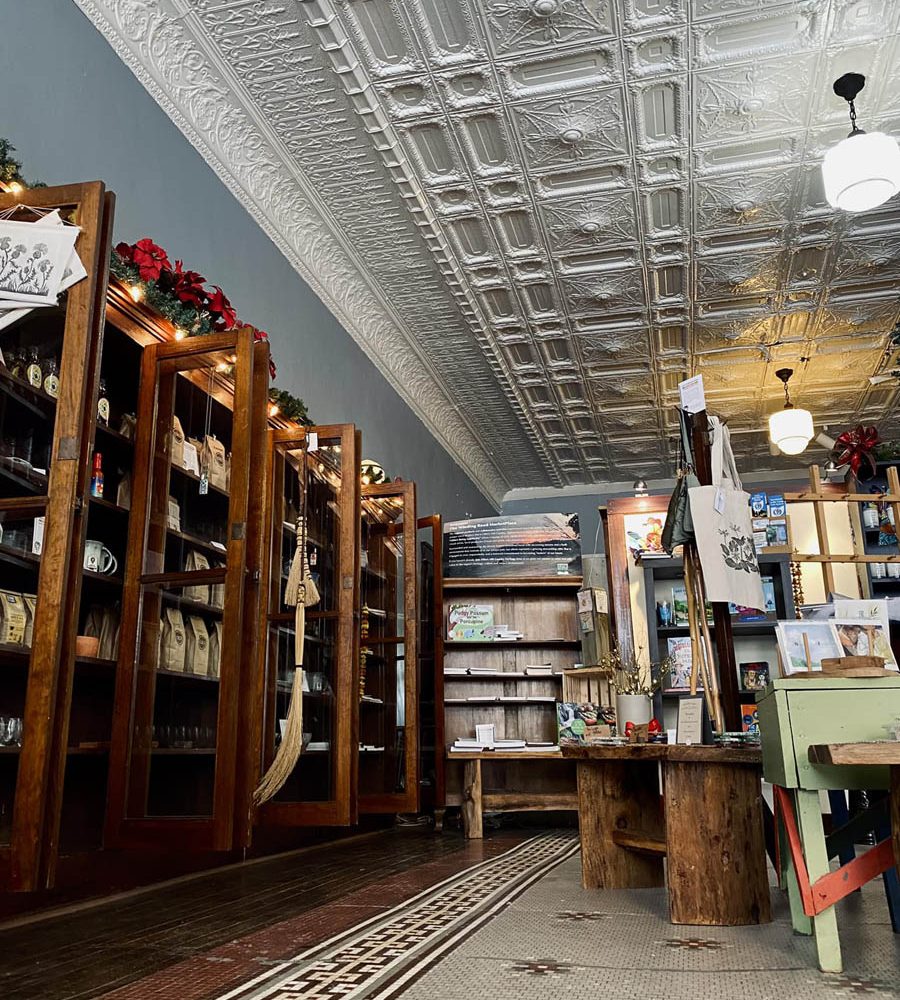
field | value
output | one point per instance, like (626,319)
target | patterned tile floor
(557,941)
(501,919)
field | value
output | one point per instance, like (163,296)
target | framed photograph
(804,644)
(865,637)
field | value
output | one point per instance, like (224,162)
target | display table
(475,801)
(708,824)
(802,719)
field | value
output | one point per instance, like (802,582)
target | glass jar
(33,371)
(51,377)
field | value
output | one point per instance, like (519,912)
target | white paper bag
(723,529)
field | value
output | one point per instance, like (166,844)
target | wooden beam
(815,485)
(641,842)
(528,801)
(876,752)
(853,557)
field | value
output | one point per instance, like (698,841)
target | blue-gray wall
(74,112)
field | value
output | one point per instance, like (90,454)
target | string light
(273,410)
(137,293)
(15,187)
(222,366)
(180,334)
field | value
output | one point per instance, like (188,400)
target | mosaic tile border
(378,958)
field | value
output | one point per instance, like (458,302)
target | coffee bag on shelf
(192,455)
(217,590)
(109,635)
(29,601)
(215,650)
(13,618)
(198,592)
(172,641)
(176,444)
(196,659)
(123,493)
(212,458)
(173,517)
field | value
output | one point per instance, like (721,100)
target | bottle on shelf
(33,370)
(51,377)
(102,404)
(97,475)
(17,362)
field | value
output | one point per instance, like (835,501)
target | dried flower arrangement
(628,674)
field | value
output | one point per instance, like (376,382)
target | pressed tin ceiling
(538,216)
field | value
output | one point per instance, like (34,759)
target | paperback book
(467,622)
(583,724)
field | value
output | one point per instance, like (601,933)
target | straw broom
(301,592)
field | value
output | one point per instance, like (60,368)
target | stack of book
(539,669)
(503,746)
(502,633)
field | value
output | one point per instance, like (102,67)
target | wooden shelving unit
(545,610)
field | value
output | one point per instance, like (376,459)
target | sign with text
(519,545)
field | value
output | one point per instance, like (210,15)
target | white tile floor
(558,941)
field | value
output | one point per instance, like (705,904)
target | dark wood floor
(91,951)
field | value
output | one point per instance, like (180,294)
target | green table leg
(809,819)
(801,923)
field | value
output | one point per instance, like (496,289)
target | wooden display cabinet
(44,448)
(177,776)
(432,781)
(389,651)
(321,791)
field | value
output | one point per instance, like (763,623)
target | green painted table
(794,714)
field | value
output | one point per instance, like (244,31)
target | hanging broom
(301,592)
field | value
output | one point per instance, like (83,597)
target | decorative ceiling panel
(537,216)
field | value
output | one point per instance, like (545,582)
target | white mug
(98,558)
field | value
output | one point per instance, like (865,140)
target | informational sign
(520,545)
(693,399)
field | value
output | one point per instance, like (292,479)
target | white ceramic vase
(634,708)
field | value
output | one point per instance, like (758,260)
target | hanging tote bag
(679,526)
(723,529)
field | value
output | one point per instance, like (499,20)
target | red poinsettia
(222,311)
(125,251)
(187,285)
(855,446)
(151,259)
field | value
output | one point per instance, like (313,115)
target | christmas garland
(181,296)
(10,168)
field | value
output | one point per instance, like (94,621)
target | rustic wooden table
(708,825)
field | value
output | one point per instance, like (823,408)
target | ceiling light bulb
(791,429)
(862,171)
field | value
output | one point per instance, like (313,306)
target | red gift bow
(855,445)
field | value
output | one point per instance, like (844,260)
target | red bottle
(97,476)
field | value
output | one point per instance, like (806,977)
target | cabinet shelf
(101,503)
(737,628)
(502,675)
(186,602)
(187,676)
(501,700)
(34,483)
(183,751)
(36,401)
(499,583)
(194,478)
(104,431)
(196,542)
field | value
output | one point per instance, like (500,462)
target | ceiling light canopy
(791,429)
(863,170)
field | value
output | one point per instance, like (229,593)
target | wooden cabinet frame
(408,800)
(41,767)
(340,810)
(135,684)
(434,524)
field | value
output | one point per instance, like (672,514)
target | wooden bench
(707,827)
(476,801)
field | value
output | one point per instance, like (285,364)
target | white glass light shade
(862,171)
(791,429)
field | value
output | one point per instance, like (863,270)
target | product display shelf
(546,612)
(48,383)
(321,788)
(880,583)
(389,663)
(754,640)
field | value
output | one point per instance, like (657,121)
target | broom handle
(704,662)
(696,651)
(718,717)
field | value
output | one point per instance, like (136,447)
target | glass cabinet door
(47,371)
(313,505)
(178,724)
(388,682)
(431,666)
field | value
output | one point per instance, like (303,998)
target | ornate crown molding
(151,38)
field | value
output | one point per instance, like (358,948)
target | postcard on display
(804,644)
(865,637)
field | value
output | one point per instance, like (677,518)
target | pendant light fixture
(791,429)
(863,170)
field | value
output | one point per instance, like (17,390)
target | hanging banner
(519,545)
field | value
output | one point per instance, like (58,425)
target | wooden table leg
(801,923)
(809,820)
(618,796)
(715,845)
(471,805)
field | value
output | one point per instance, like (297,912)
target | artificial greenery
(290,407)
(11,168)
(182,315)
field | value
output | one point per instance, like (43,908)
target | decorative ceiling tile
(538,216)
